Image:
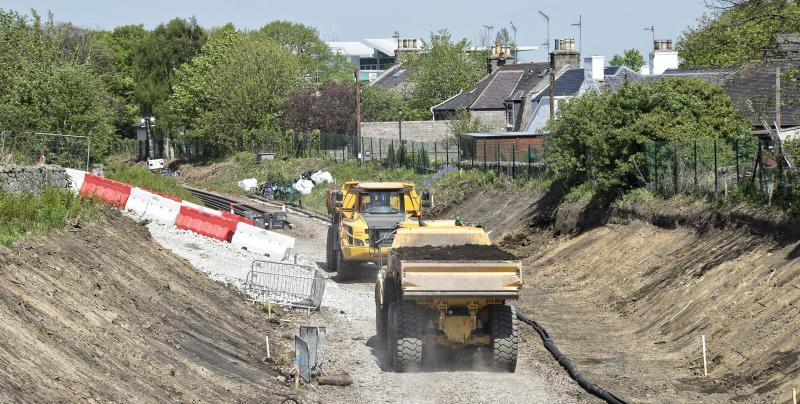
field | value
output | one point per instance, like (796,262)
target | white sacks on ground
(303,186)
(203,208)
(156,208)
(248,184)
(260,241)
(75,179)
(321,177)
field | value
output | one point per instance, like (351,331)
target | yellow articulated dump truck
(446,285)
(363,210)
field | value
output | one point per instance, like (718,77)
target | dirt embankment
(102,313)
(632,289)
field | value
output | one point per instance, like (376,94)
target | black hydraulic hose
(568,365)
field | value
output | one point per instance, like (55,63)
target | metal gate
(285,283)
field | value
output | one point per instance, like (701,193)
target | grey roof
(567,84)
(502,134)
(495,94)
(534,73)
(493,90)
(393,77)
(465,98)
(752,90)
(715,76)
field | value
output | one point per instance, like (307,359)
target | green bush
(24,215)
(599,138)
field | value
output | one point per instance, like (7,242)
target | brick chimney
(564,54)
(663,56)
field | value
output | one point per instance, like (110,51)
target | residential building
(374,56)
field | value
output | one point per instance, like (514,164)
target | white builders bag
(303,186)
(321,177)
(248,184)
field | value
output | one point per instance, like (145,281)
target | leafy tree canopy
(737,31)
(379,104)
(630,58)
(600,136)
(319,64)
(158,56)
(442,69)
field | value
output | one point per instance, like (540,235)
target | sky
(609,27)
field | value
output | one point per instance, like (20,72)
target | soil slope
(629,300)
(102,313)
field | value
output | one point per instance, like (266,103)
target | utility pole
(778,99)
(579,24)
(515,54)
(358,114)
(547,18)
(552,86)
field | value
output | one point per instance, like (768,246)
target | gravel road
(348,313)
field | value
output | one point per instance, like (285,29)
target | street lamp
(148,122)
(400,124)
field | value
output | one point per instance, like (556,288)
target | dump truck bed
(482,271)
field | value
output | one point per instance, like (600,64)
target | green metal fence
(714,167)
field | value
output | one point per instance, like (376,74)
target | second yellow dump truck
(446,285)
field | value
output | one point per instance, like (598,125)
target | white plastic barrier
(75,179)
(261,241)
(153,207)
(203,208)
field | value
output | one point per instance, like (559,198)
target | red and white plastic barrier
(205,224)
(153,207)
(165,209)
(112,192)
(264,242)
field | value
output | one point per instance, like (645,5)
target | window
(510,115)
(382,202)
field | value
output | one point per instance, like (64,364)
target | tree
(630,58)
(442,69)
(43,88)
(379,104)
(503,38)
(113,62)
(319,64)
(464,123)
(737,32)
(600,136)
(330,108)
(158,56)
(243,94)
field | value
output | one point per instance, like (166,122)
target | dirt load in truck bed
(467,252)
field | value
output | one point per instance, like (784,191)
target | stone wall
(32,178)
(495,121)
(418,131)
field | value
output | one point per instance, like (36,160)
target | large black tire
(406,344)
(331,249)
(505,337)
(346,270)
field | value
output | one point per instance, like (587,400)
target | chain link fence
(50,148)
(711,167)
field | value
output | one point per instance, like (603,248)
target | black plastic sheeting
(568,365)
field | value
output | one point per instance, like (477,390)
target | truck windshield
(382,202)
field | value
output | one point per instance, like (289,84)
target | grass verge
(143,178)
(27,215)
